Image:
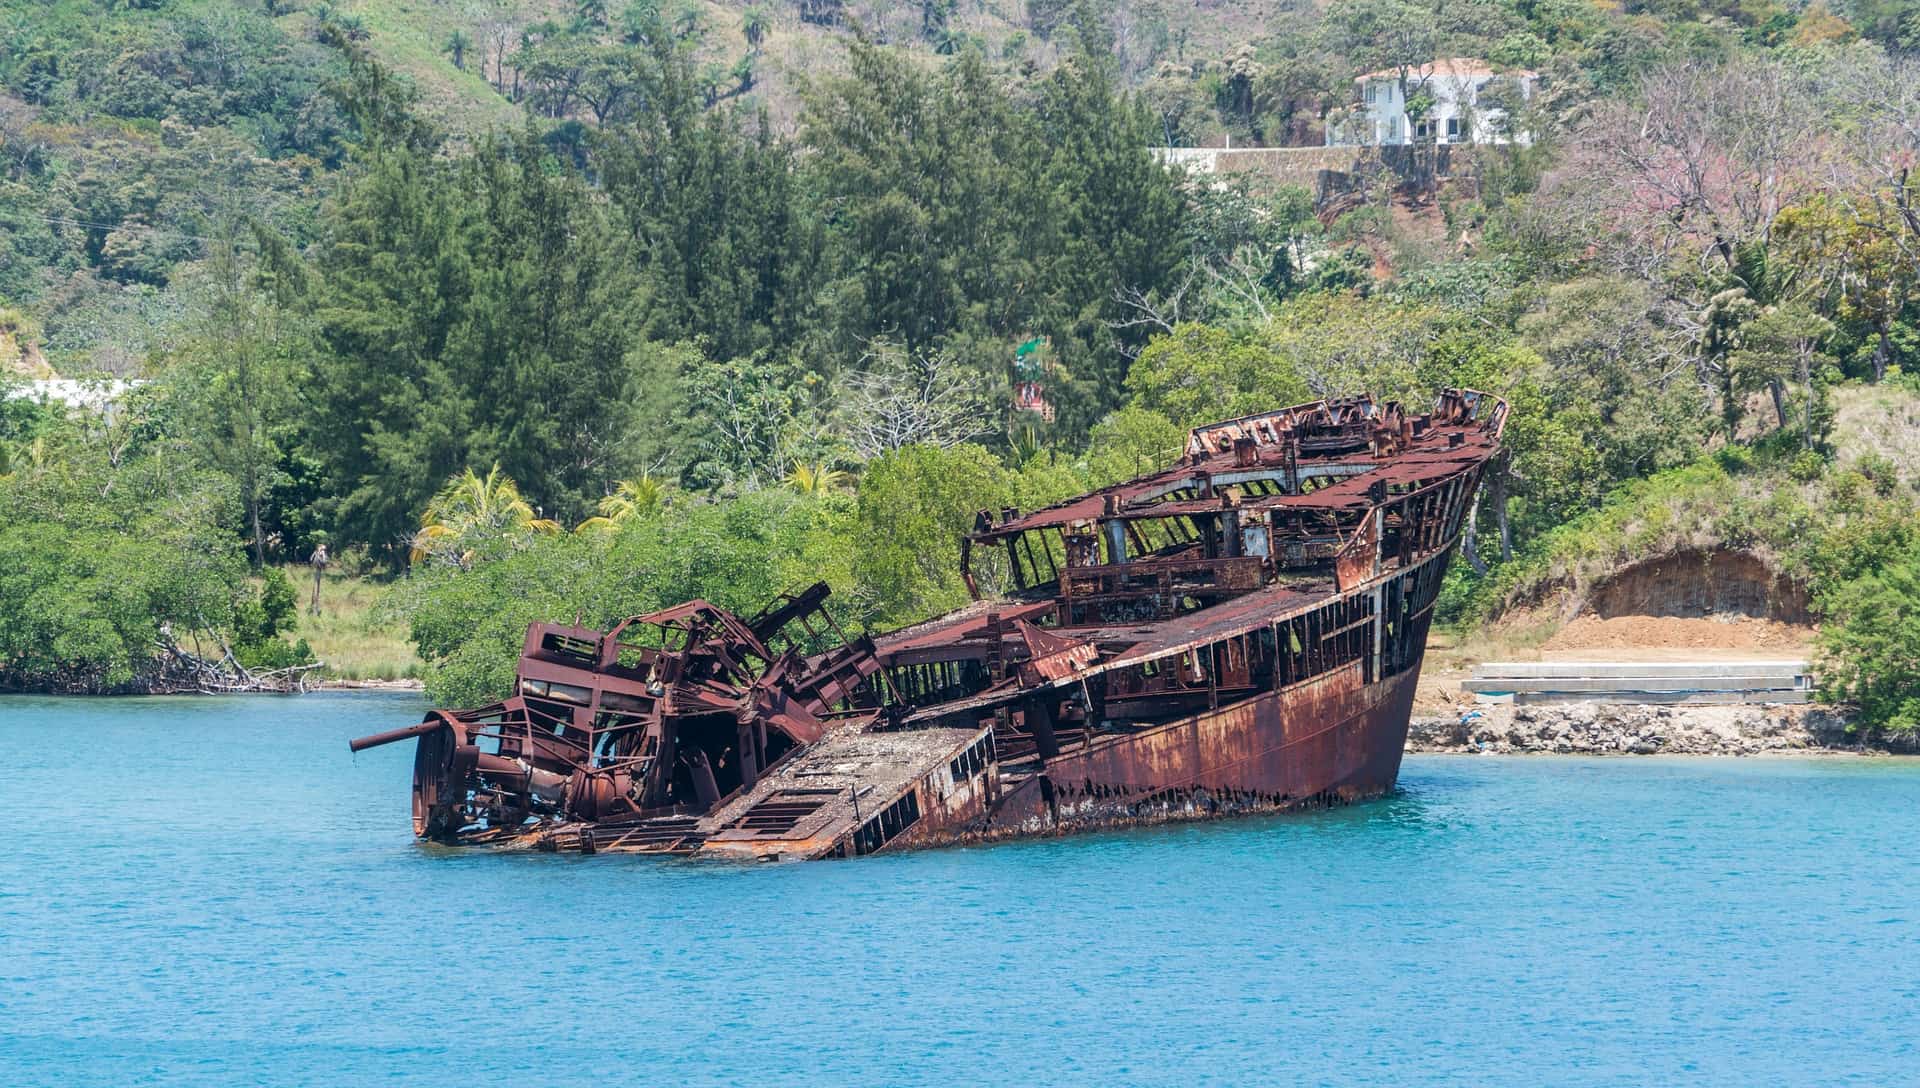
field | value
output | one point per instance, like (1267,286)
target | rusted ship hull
(1240,632)
(1320,765)
(1331,740)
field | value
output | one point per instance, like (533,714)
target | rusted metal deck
(1238,632)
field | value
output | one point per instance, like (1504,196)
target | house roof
(1448,68)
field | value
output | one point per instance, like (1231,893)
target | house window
(1395,133)
(1456,128)
(1372,93)
(1423,130)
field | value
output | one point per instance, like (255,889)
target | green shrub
(1881,471)
(1869,648)
(1807,467)
(260,620)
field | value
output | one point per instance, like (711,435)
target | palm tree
(457,44)
(28,456)
(816,479)
(1025,444)
(471,512)
(635,498)
(754,23)
(712,74)
(689,19)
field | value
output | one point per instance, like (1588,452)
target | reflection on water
(214,891)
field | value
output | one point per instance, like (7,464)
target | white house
(1455,112)
(99,396)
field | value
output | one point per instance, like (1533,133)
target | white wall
(1382,116)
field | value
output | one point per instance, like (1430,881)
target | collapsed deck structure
(1239,632)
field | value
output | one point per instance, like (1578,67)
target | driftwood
(180,672)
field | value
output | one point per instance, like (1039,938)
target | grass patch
(1462,646)
(409,37)
(1878,423)
(352,635)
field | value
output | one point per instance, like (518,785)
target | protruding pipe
(392,735)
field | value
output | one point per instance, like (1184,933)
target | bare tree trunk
(1881,350)
(1729,399)
(1500,511)
(250,477)
(259,534)
(1470,540)
(1806,409)
(1779,390)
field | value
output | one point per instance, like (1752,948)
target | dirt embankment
(1630,638)
(1691,606)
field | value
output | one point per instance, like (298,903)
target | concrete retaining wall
(1300,166)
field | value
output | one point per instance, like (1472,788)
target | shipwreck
(1240,632)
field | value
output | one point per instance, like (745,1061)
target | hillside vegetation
(544,310)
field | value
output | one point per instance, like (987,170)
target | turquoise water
(214,891)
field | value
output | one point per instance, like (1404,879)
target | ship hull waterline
(1326,742)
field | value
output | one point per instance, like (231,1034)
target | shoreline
(1629,729)
(409,685)
(1612,729)
(403,684)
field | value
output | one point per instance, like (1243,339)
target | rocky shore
(1629,729)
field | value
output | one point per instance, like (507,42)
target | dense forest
(577,315)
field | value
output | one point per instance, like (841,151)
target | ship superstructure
(1240,631)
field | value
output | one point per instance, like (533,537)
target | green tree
(1120,221)
(456,47)
(641,497)
(1848,246)
(1200,374)
(542,346)
(915,504)
(470,312)
(1780,352)
(754,23)
(1869,648)
(389,416)
(931,175)
(960,219)
(476,517)
(1611,378)
(236,377)
(753,418)
(1721,329)
(723,250)
(112,544)
(1132,442)
(1383,35)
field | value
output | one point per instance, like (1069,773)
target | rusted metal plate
(1359,558)
(1055,657)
